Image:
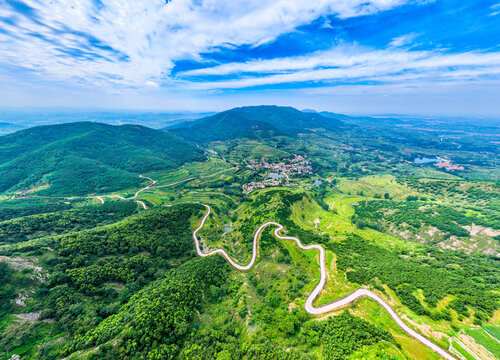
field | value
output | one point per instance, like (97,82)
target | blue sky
(352,56)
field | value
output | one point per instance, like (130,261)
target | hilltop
(86,157)
(255,122)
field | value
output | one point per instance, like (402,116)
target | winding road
(309,306)
(101,197)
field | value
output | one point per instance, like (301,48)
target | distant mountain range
(254,122)
(6,128)
(88,157)
(17,119)
(80,158)
(85,157)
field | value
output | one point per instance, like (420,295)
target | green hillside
(85,157)
(255,122)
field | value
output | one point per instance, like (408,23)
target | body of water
(425,160)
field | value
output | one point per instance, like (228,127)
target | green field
(462,351)
(486,340)
(493,330)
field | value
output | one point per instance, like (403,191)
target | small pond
(425,160)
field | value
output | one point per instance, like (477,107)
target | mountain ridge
(253,122)
(83,157)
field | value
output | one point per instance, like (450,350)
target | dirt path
(309,306)
(100,198)
(153,182)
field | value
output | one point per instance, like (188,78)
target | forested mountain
(255,122)
(117,276)
(86,157)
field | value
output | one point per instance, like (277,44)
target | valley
(116,272)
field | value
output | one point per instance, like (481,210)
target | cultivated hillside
(255,122)
(86,157)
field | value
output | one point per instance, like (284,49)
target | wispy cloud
(403,40)
(157,52)
(128,43)
(495,9)
(350,64)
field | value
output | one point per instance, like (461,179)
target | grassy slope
(336,223)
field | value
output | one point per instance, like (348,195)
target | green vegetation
(160,315)
(484,339)
(471,280)
(102,157)
(11,209)
(81,279)
(343,334)
(462,351)
(417,214)
(6,291)
(493,330)
(255,122)
(106,264)
(54,223)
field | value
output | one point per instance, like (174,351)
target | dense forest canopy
(105,267)
(102,157)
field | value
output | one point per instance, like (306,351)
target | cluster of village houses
(445,163)
(280,172)
(297,165)
(267,183)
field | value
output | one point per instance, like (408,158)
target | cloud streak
(346,64)
(155,53)
(128,43)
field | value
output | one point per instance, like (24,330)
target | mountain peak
(256,121)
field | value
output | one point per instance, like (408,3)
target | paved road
(309,306)
(142,204)
(147,187)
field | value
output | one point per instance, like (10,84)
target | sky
(438,57)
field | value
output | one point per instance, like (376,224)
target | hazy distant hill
(86,157)
(255,121)
(388,122)
(7,128)
(30,117)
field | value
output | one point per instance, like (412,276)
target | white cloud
(403,40)
(495,8)
(150,34)
(152,84)
(348,64)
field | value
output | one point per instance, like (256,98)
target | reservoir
(425,160)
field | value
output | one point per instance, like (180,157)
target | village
(297,165)
(446,164)
(279,172)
